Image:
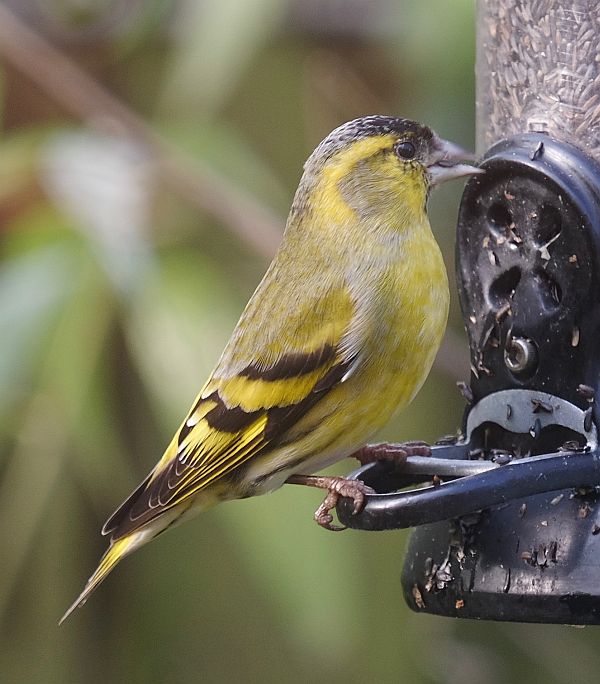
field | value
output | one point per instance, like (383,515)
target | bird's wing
(242,412)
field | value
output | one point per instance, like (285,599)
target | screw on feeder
(520,355)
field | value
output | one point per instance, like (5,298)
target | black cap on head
(366,127)
(369,126)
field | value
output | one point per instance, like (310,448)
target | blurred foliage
(116,298)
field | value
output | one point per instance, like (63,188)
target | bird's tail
(115,553)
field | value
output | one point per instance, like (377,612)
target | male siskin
(341,332)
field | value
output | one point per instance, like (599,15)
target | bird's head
(381,165)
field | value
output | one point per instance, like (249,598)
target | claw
(336,486)
(324,518)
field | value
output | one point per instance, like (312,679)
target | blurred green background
(145,175)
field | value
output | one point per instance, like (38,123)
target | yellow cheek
(384,184)
(407,183)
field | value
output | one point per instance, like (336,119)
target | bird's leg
(391,452)
(355,489)
(336,486)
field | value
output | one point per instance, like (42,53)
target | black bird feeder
(507,515)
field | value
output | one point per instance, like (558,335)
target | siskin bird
(341,332)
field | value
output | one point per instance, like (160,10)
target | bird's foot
(337,487)
(391,452)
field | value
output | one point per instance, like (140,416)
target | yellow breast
(414,310)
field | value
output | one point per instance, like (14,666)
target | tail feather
(115,553)
(122,546)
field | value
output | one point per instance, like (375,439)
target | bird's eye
(405,150)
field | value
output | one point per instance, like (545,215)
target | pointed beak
(446,162)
